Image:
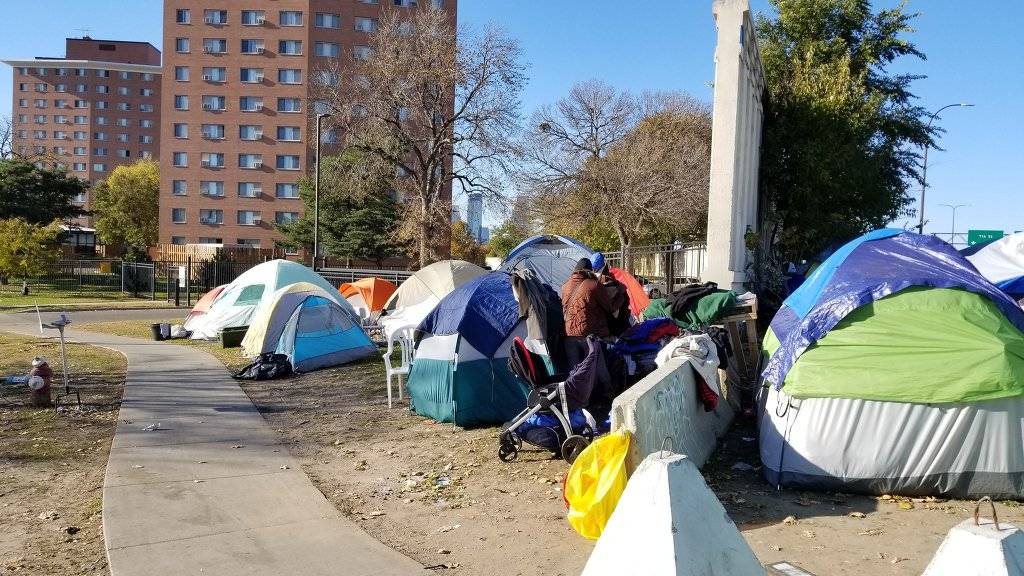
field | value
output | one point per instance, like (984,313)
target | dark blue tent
(551,258)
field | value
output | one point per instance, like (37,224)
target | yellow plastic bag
(595,482)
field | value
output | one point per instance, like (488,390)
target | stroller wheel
(588,433)
(507,453)
(572,447)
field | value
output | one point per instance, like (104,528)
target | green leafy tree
(37,195)
(841,132)
(359,218)
(464,245)
(126,207)
(506,237)
(27,248)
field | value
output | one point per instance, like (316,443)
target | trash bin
(157,333)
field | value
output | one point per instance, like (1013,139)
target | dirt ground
(439,493)
(52,463)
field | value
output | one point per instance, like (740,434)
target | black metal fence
(667,265)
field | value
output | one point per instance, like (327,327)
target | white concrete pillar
(735,144)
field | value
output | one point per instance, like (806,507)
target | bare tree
(635,164)
(6,137)
(439,106)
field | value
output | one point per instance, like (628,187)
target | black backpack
(267,366)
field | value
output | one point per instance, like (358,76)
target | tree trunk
(624,242)
(426,249)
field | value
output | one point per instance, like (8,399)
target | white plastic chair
(405,338)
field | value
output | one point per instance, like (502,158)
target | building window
(181,73)
(145,123)
(102,89)
(99,167)
(253,17)
(124,106)
(290,18)
(39,134)
(40,71)
(124,122)
(123,138)
(99,151)
(211,74)
(40,103)
(289,105)
(79,151)
(213,131)
(178,215)
(78,167)
(178,240)
(147,76)
(81,136)
(212,160)
(289,76)
(211,187)
(370,1)
(252,46)
(103,73)
(123,91)
(285,217)
(437,3)
(287,162)
(81,88)
(181,130)
(180,159)
(250,103)
(329,49)
(145,139)
(288,133)
(252,75)
(208,240)
(214,102)
(211,216)
(249,189)
(146,92)
(59,88)
(287,191)
(180,102)
(250,242)
(181,45)
(146,108)
(216,17)
(248,217)
(40,119)
(250,161)
(179,187)
(215,45)
(123,75)
(289,47)
(182,16)
(327,20)
(362,52)
(365,24)
(250,132)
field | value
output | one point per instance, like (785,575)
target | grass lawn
(231,357)
(52,463)
(10,296)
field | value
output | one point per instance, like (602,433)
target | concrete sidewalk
(212,491)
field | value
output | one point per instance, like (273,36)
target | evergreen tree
(37,195)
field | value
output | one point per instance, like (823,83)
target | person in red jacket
(586,307)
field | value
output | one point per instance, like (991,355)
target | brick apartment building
(94,109)
(237,109)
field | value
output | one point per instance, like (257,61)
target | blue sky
(973,56)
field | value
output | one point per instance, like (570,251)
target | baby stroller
(554,417)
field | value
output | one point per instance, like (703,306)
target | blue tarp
(483,311)
(863,271)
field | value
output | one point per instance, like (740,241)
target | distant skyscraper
(485,234)
(456,215)
(475,213)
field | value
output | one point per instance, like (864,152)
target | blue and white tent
(551,258)
(461,373)
(1002,263)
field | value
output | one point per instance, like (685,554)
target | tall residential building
(237,109)
(93,109)
(475,214)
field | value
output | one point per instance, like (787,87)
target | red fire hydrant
(39,379)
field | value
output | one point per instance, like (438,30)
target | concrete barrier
(665,404)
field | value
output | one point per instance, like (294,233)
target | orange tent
(369,293)
(203,305)
(638,299)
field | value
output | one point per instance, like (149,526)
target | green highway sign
(981,236)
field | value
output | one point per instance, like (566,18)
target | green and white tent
(896,368)
(460,372)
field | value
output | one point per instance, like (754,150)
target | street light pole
(924,168)
(316,190)
(952,232)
